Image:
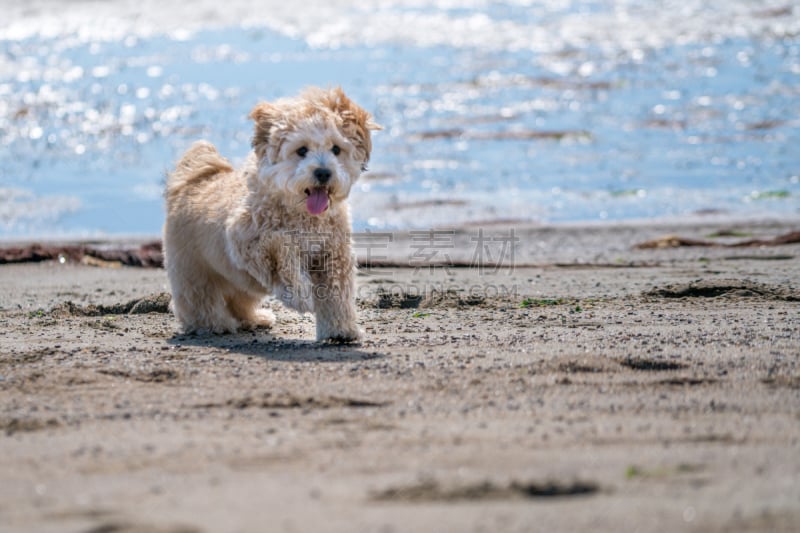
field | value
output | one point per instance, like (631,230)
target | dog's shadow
(261,343)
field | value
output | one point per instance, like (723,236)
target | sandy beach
(525,372)
(583,383)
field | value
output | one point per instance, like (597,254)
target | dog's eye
(336,150)
(302,151)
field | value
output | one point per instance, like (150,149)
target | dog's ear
(356,123)
(266,117)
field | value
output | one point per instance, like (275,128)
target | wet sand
(593,385)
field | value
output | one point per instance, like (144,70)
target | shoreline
(653,224)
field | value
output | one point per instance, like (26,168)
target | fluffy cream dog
(278,225)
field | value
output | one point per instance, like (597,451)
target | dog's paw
(264,318)
(350,335)
(343,339)
(260,318)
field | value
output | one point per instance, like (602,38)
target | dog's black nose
(322,175)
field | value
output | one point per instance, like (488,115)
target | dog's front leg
(334,294)
(273,260)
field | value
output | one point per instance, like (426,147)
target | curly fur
(233,236)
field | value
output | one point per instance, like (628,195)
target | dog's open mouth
(317,200)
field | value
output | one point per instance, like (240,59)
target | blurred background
(546,111)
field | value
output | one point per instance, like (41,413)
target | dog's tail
(199,163)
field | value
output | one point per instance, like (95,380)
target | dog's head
(313,147)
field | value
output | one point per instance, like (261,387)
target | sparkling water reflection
(538,111)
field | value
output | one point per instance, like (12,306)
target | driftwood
(148,255)
(675,241)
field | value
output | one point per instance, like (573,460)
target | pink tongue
(317,201)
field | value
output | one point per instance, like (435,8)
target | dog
(279,225)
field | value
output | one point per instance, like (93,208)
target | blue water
(88,128)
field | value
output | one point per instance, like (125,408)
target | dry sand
(593,386)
